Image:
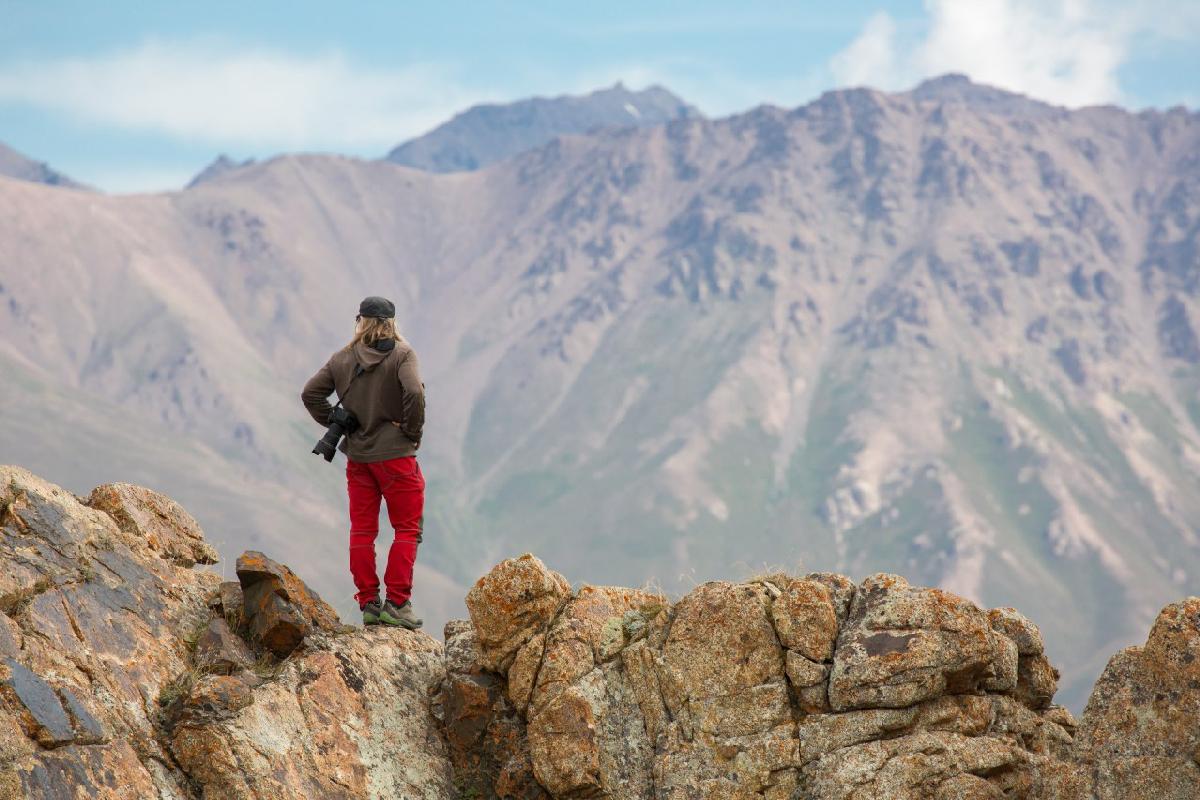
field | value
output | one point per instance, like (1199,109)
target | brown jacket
(388,399)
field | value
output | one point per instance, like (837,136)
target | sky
(133,96)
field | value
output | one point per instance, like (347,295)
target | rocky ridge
(485,134)
(18,166)
(129,672)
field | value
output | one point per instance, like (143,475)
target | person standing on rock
(377,378)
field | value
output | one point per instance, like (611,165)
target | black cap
(379,307)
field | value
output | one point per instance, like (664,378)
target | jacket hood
(370,356)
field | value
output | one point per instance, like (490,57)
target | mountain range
(947,332)
(485,134)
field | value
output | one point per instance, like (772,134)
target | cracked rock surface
(127,671)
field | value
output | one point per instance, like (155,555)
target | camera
(341,423)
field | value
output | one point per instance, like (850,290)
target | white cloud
(204,92)
(870,58)
(1064,51)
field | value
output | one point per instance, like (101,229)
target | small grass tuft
(236,618)
(16,601)
(267,666)
(173,692)
(651,609)
(194,631)
(8,512)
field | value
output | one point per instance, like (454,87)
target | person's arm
(412,418)
(316,393)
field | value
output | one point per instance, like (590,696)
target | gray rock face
(39,706)
(93,616)
(485,134)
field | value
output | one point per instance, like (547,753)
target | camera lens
(324,449)
(328,444)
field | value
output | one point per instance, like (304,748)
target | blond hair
(371,330)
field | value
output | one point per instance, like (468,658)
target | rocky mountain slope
(15,165)
(486,134)
(948,333)
(127,671)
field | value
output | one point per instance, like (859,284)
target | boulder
(586,732)
(1016,626)
(511,604)
(220,651)
(1140,732)
(902,645)
(591,738)
(161,522)
(279,608)
(721,642)
(805,619)
(1037,681)
(274,623)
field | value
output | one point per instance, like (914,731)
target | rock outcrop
(780,687)
(126,672)
(129,670)
(1141,730)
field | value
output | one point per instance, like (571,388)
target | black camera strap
(358,370)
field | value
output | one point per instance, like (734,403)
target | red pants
(398,481)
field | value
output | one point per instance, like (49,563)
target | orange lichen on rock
(124,672)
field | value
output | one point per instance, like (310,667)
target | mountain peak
(955,87)
(950,82)
(220,165)
(487,133)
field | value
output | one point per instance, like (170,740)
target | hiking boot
(371,613)
(402,616)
